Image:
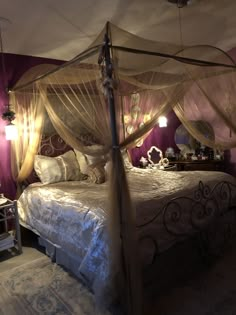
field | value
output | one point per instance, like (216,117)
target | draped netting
(149,79)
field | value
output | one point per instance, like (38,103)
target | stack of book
(6,241)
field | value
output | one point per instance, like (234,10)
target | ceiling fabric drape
(149,80)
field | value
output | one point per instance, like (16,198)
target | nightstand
(10,237)
(199,165)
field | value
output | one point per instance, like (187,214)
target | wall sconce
(10,128)
(11,132)
(162,121)
(147,117)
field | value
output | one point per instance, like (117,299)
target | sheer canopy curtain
(74,100)
(210,97)
(29,121)
(149,79)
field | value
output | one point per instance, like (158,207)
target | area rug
(43,287)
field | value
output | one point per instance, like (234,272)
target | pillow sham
(95,159)
(127,163)
(96,174)
(57,169)
(82,161)
(86,160)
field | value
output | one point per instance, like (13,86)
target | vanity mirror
(188,145)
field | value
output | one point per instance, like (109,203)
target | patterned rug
(42,287)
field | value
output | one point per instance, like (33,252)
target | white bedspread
(72,215)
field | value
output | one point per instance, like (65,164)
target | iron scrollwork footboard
(206,215)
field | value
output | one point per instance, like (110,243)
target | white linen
(73,215)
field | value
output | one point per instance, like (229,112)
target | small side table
(11,236)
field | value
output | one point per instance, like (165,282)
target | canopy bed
(87,102)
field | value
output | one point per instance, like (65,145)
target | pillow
(82,160)
(57,169)
(96,174)
(85,160)
(100,159)
(127,163)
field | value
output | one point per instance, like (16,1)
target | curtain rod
(85,54)
(92,50)
(196,62)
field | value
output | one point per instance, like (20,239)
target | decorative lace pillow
(96,174)
(86,160)
(58,169)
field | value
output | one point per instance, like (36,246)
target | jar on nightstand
(170,153)
(10,236)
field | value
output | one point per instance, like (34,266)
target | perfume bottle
(143,162)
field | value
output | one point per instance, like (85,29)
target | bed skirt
(70,263)
(65,259)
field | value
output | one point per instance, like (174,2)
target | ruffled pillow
(86,160)
(58,169)
(96,174)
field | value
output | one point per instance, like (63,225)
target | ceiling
(60,29)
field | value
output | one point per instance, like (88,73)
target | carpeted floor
(42,287)
(210,292)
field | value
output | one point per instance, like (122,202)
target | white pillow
(57,169)
(95,159)
(82,160)
(127,161)
(86,160)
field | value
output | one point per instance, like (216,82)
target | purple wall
(160,137)
(15,66)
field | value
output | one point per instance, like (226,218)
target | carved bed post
(109,88)
(131,304)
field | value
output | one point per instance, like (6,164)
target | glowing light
(162,121)
(11,132)
(146,118)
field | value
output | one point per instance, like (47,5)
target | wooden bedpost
(109,88)
(132,303)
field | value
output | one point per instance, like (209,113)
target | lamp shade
(162,121)
(11,132)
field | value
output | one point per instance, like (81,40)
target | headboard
(52,146)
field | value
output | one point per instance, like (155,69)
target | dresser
(199,165)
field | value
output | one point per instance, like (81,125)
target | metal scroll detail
(206,205)
(204,214)
(53,145)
